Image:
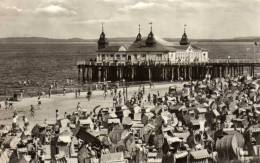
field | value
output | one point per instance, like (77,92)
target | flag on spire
(151,23)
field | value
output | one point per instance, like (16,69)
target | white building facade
(150,51)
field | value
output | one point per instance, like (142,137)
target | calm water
(43,62)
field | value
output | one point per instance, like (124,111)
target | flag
(255,43)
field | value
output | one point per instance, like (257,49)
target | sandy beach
(68,104)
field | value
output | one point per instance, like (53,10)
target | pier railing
(234,60)
(154,63)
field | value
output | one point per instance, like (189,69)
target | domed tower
(139,36)
(102,42)
(150,41)
(184,38)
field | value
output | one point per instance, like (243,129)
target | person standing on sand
(79,92)
(105,93)
(149,98)
(89,95)
(76,93)
(14,122)
(32,111)
(64,91)
(21,93)
(26,122)
(50,92)
(57,115)
(39,101)
(79,107)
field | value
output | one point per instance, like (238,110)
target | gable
(122,48)
(189,49)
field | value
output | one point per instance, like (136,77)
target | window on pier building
(111,56)
(103,56)
(135,56)
(118,57)
(159,56)
(124,56)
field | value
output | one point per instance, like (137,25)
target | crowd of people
(212,120)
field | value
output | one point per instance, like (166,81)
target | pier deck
(157,71)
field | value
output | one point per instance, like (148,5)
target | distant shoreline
(114,40)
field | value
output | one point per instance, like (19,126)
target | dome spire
(139,36)
(150,41)
(184,38)
(102,42)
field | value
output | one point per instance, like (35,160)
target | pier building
(151,59)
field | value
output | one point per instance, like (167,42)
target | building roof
(185,47)
(141,46)
(110,48)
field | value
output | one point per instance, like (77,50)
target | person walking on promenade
(32,111)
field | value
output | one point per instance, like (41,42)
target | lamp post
(229,73)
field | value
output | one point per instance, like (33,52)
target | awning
(87,137)
(201,154)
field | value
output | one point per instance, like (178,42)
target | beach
(68,103)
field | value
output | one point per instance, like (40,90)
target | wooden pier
(99,72)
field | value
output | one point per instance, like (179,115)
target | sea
(43,63)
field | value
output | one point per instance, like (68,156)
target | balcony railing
(154,63)
(234,60)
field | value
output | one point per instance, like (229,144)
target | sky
(82,18)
